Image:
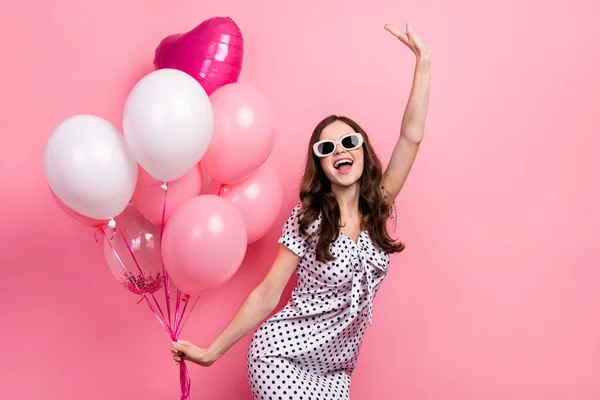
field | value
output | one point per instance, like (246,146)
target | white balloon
(88,166)
(168,123)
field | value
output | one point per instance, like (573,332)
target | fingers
(397,32)
(178,350)
(412,36)
(406,37)
(181,345)
(410,33)
(177,355)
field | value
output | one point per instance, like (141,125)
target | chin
(344,180)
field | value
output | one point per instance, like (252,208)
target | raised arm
(415,114)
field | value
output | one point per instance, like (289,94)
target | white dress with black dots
(308,350)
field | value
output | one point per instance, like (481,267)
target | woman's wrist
(215,350)
(423,62)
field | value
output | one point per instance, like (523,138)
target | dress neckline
(360,235)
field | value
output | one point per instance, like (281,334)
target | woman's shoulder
(297,213)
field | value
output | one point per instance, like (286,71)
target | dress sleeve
(290,233)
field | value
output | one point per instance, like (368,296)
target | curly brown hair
(318,199)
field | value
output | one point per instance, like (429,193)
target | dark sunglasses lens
(350,142)
(326,148)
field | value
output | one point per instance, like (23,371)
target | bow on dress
(364,269)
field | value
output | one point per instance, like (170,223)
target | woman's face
(341,154)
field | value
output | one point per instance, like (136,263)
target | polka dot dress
(309,349)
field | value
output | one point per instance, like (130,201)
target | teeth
(339,163)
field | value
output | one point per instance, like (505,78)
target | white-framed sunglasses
(326,147)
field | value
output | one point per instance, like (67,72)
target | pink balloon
(258,197)
(133,254)
(149,196)
(87,221)
(204,244)
(243,135)
(212,53)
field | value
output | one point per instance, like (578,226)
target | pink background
(496,295)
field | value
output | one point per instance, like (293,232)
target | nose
(339,149)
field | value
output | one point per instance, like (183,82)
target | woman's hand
(411,40)
(187,351)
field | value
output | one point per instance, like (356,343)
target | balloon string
(177,306)
(164,270)
(220,190)
(156,314)
(184,381)
(142,272)
(103,233)
(182,324)
(178,318)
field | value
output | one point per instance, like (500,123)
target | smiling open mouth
(343,162)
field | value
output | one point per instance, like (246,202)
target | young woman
(336,241)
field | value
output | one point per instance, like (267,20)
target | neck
(347,197)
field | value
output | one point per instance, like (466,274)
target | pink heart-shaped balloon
(212,53)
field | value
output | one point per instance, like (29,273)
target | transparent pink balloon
(134,253)
(258,197)
(204,244)
(243,135)
(149,196)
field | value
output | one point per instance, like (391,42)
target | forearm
(254,310)
(415,114)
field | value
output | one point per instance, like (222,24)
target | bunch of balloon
(141,188)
